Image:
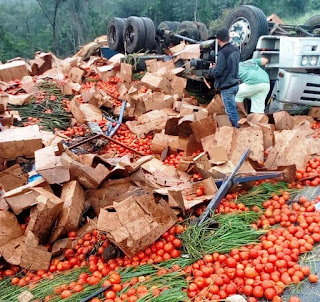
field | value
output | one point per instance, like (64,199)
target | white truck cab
(294,68)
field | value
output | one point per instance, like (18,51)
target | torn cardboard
(15,70)
(203,128)
(20,142)
(76,75)
(225,136)
(136,222)
(44,215)
(54,169)
(73,206)
(9,227)
(12,178)
(283,120)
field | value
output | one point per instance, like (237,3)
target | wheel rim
(112,35)
(240,32)
(129,36)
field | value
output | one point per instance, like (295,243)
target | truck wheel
(150,33)
(189,29)
(203,31)
(169,25)
(314,23)
(115,34)
(246,24)
(134,34)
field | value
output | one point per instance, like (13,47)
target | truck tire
(314,23)
(189,29)
(246,24)
(134,34)
(203,31)
(169,25)
(115,34)
(150,33)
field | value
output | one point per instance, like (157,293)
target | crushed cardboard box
(203,128)
(87,176)
(136,222)
(44,215)
(53,168)
(15,70)
(24,197)
(20,142)
(9,227)
(12,178)
(73,206)
(283,120)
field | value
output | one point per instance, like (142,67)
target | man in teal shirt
(255,84)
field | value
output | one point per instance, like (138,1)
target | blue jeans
(228,98)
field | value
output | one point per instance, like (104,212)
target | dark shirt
(226,70)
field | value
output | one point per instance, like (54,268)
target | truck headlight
(304,61)
(313,60)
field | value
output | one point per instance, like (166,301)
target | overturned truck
(293,51)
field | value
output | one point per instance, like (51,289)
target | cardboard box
(24,197)
(202,161)
(203,128)
(199,112)
(216,106)
(225,136)
(161,141)
(28,85)
(76,74)
(248,138)
(111,190)
(106,72)
(136,222)
(19,99)
(73,206)
(223,121)
(35,258)
(4,98)
(15,70)
(89,177)
(152,121)
(189,194)
(9,227)
(283,120)
(85,112)
(218,155)
(20,142)
(68,87)
(126,72)
(12,178)
(12,251)
(178,126)
(54,169)
(157,101)
(291,148)
(157,82)
(44,215)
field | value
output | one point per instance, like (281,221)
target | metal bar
(123,107)
(96,293)
(249,178)
(223,189)
(108,138)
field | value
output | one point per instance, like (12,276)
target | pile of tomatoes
(111,87)
(125,136)
(265,269)
(311,175)
(77,131)
(167,247)
(174,159)
(33,121)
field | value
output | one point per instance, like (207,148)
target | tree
(50,9)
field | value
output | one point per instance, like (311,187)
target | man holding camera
(225,73)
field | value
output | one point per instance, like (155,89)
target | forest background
(62,26)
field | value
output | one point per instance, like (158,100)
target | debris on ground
(103,171)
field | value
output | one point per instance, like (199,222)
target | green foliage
(26,25)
